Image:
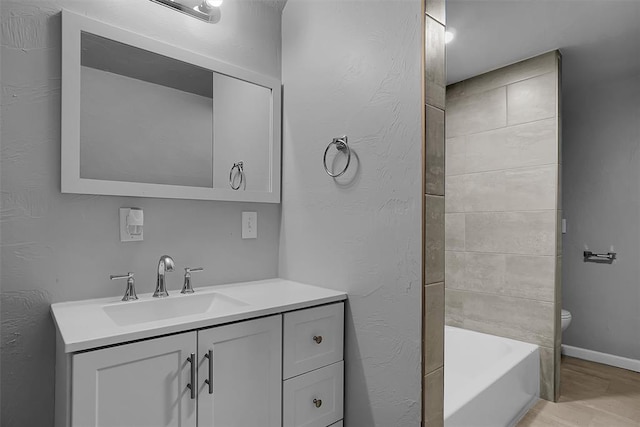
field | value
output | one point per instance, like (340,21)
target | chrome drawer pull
(209,380)
(192,359)
(317,402)
(317,339)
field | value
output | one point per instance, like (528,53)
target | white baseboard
(604,358)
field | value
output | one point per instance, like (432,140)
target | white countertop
(84,324)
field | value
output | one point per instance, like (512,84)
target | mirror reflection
(149,118)
(144,117)
(242,129)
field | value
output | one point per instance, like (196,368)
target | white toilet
(566,319)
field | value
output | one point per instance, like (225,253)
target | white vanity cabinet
(147,383)
(272,359)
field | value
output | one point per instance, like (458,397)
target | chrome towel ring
(240,167)
(342,145)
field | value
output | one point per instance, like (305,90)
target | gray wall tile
(484,192)
(436,10)
(456,90)
(558,232)
(453,310)
(435,239)
(559,189)
(476,113)
(530,277)
(517,318)
(522,70)
(531,188)
(478,272)
(532,99)
(434,227)
(519,276)
(558,284)
(484,272)
(454,231)
(434,152)
(557,324)
(454,269)
(506,190)
(530,144)
(527,233)
(556,373)
(455,156)
(433,404)
(455,190)
(435,74)
(547,372)
(434,327)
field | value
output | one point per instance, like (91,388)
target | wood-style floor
(591,395)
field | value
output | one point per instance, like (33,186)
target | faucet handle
(187,288)
(130,292)
(121,276)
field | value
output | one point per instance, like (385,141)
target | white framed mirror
(147,119)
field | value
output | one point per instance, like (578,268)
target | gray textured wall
(58,247)
(601,198)
(352,67)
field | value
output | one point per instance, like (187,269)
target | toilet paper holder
(608,257)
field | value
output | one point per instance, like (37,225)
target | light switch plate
(249,225)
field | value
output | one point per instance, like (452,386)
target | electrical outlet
(131,223)
(249,225)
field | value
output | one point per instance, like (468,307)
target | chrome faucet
(165,264)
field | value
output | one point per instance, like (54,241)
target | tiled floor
(591,395)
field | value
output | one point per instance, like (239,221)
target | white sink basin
(88,324)
(142,311)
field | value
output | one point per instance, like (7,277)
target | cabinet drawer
(313,338)
(314,399)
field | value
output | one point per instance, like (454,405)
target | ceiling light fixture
(208,5)
(207,10)
(448,36)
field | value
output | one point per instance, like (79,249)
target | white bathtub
(489,381)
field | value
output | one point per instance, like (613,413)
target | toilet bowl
(565,319)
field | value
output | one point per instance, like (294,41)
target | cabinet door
(246,374)
(139,384)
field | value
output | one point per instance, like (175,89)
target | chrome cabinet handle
(192,359)
(317,402)
(317,339)
(209,380)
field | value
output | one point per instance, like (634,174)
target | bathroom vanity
(266,353)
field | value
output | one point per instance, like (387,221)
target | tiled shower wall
(503,207)
(434,183)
